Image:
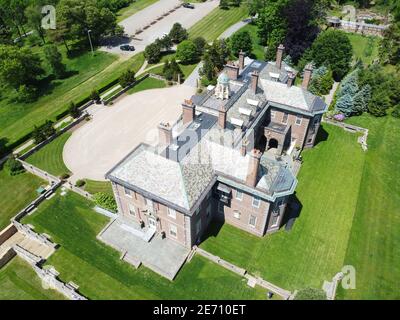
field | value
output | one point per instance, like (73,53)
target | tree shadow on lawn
(322,135)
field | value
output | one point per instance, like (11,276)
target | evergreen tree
(345,105)
(361,99)
(54,58)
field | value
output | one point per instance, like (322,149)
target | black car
(188,5)
(127,47)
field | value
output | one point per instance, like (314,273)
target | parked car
(127,47)
(188,5)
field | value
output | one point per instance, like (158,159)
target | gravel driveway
(114,131)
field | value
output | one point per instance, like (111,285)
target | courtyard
(114,131)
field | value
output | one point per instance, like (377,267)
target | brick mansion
(229,157)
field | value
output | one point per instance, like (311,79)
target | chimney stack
(232,71)
(279,55)
(241,60)
(164,134)
(251,179)
(222,117)
(243,147)
(307,76)
(291,79)
(254,81)
(188,111)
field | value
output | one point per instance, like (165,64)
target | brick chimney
(164,134)
(232,71)
(307,76)
(252,173)
(254,81)
(291,79)
(279,55)
(241,60)
(243,147)
(222,117)
(188,109)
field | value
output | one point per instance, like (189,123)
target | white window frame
(297,120)
(173,231)
(258,202)
(127,192)
(255,221)
(132,210)
(236,214)
(239,195)
(283,118)
(172,213)
(277,221)
(273,113)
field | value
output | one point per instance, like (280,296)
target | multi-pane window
(171,213)
(239,195)
(173,230)
(132,210)
(272,114)
(298,120)
(284,118)
(256,202)
(275,220)
(236,214)
(128,192)
(252,221)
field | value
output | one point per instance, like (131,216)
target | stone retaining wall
(39,172)
(49,275)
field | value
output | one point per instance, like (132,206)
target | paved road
(232,29)
(186,17)
(96,147)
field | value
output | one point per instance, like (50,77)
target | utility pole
(90,40)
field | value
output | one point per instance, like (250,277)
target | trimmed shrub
(311,294)
(396,111)
(127,78)
(105,201)
(80,183)
(94,95)
(43,132)
(74,110)
(64,176)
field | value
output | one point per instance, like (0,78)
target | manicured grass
(314,250)
(50,157)
(148,83)
(93,187)
(365,48)
(16,192)
(187,69)
(217,21)
(258,51)
(99,272)
(18,281)
(375,239)
(17,120)
(133,8)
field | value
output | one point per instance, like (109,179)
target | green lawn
(18,281)
(365,48)
(187,69)
(50,158)
(93,187)
(16,192)
(99,272)
(375,239)
(217,21)
(148,83)
(314,250)
(17,120)
(133,8)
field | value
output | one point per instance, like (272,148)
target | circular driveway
(100,144)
